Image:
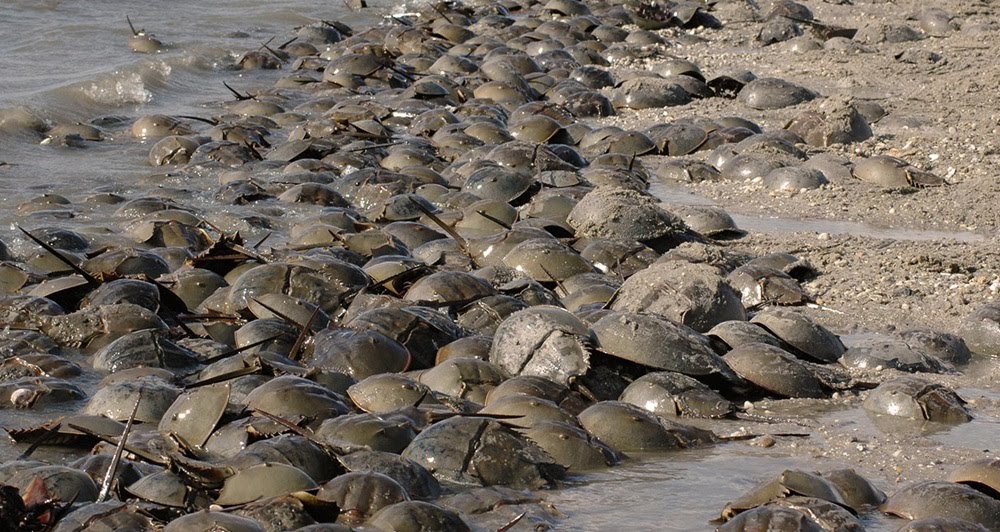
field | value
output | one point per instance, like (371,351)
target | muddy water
(685,490)
(66,61)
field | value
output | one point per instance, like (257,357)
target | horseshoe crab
(771,518)
(386,392)
(116,400)
(802,334)
(465,378)
(878,353)
(145,348)
(773,93)
(628,428)
(648,92)
(944,499)
(858,492)
(420,329)
(359,495)
(417,515)
(892,172)
(544,341)
(688,293)
(572,447)
(359,354)
(791,482)
(498,456)
(774,370)
(322,284)
(376,432)
(916,399)
(546,259)
(941,345)
(59,482)
(981,330)
(209,520)
(417,481)
(659,343)
(672,394)
(292,397)
(760,285)
(622,214)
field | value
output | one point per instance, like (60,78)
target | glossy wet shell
(359,354)
(420,329)
(263,481)
(387,392)
(213,521)
(774,370)
(944,499)
(164,487)
(771,518)
(773,93)
(61,482)
(485,315)
(858,492)
(293,397)
(622,214)
(670,394)
(916,399)
(790,482)
(940,524)
(449,287)
(709,221)
(629,428)
(802,333)
(978,473)
(498,456)
(941,345)
(379,433)
(146,348)
(892,172)
(572,447)
(544,341)
(546,259)
(416,480)
(688,293)
(321,286)
(828,515)
(794,179)
(133,291)
(415,516)
(116,400)
(195,413)
(735,333)
(981,330)
(658,343)
(362,494)
(760,285)
(527,411)
(889,353)
(465,378)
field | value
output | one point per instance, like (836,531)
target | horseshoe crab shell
(544,341)
(659,343)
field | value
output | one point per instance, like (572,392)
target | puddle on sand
(761,224)
(684,490)
(680,492)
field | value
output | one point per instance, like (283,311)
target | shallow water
(68,61)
